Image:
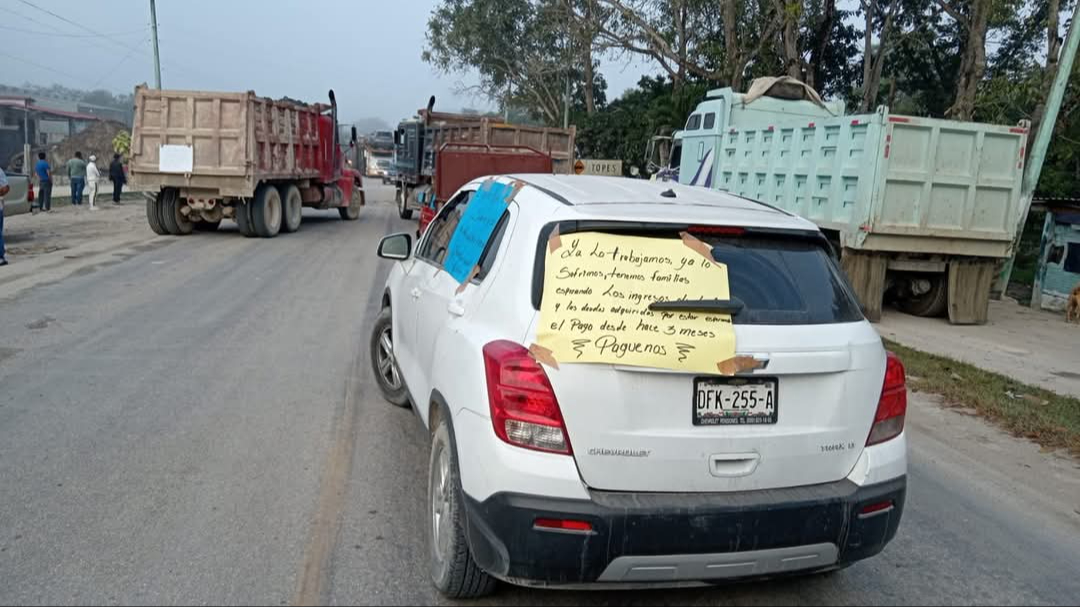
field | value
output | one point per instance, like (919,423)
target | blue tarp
(474,229)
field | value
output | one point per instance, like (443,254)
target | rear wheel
(404,211)
(383,361)
(453,570)
(243,218)
(351,212)
(266,212)
(153,214)
(172,219)
(293,206)
(932,303)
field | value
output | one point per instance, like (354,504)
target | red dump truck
(213,156)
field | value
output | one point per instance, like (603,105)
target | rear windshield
(781,278)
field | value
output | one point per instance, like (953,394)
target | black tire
(932,304)
(171,218)
(243,219)
(351,212)
(207,226)
(153,214)
(453,570)
(292,208)
(403,209)
(266,211)
(388,377)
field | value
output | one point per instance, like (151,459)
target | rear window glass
(781,279)
(710,120)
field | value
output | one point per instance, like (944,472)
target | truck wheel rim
(385,359)
(275,213)
(440,504)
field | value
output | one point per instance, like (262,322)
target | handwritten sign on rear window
(475,227)
(597,291)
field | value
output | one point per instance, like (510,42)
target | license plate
(734,401)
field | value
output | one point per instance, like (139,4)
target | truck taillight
(524,410)
(892,406)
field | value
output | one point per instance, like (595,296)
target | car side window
(491,249)
(437,238)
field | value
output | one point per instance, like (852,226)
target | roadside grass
(1048,418)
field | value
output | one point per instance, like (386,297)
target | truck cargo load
(923,210)
(212,156)
(418,141)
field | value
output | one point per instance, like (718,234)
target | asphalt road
(196,422)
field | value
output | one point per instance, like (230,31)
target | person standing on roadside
(77,172)
(93,176)
(44,175)
(119,178)
(4,189)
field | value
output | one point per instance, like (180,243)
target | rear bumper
(673,538)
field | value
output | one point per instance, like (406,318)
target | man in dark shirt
(116,173)
(44,174)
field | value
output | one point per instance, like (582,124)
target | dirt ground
(48,246)
(1033,346)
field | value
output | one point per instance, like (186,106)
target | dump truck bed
(886,182)
(222,144)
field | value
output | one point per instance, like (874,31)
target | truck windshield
(779,279)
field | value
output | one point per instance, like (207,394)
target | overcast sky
(368,51)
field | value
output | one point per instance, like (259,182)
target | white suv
(597,474)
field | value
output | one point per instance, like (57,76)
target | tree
(509,43)
(874,58)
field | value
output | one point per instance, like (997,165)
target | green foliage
(121,144)
(622,129)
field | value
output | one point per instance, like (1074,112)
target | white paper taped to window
(176,159)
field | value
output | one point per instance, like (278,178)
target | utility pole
(569,68)
(1037,153)
(157,58)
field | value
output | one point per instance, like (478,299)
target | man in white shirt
(4,189)
(93,175)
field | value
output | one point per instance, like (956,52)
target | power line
(44,67)
(78,25)
(58,35)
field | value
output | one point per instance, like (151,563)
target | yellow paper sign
(597,291)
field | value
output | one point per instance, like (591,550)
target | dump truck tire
(153,215)
(292,208)
(171,217)
(404,211)
(932,304)
(243,219)
(266,212)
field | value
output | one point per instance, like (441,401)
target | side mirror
(396,246)
(397,137)
(354,134)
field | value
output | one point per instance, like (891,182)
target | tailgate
(801,418)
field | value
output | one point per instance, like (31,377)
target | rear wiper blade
(732,306)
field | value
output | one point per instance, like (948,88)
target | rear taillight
(30,193)
(524,410)
(892,407)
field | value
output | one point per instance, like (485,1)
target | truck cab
(723,110)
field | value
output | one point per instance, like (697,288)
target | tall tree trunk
(1053,49)
(815,71)
(973,61)
(873,63)
(680,31)
(730,14)
(869,9)
(789,36)
(587,41)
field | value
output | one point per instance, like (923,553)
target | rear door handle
(415,293)
(733,465)
(455,308)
